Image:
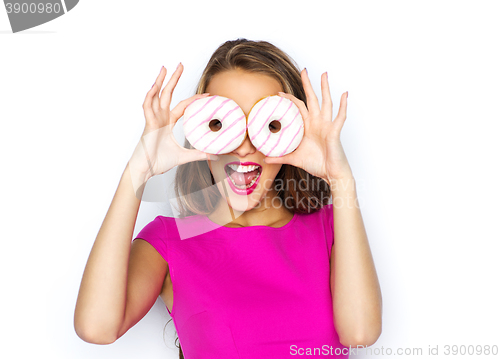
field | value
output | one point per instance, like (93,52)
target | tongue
(244,178)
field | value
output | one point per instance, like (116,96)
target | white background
(421,137)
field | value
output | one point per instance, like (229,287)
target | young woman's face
(246,89)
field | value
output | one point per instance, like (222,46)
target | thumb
(189,155)
(204,156)
(279,160)
(211,157)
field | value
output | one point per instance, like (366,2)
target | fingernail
(161,69)
(347,92)
(326,75)
(205,94)
(306,70)
(178,66)
(281,93)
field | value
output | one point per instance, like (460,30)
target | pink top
(250,292)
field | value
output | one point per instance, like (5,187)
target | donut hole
(215,125)
(274,126)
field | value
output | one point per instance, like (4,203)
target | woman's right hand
(158,151)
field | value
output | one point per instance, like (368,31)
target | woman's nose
(246,147)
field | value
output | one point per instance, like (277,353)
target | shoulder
(318,223)
(160,226)
(161,232)
(326,212)
(327,208)
(323,213)
(173,228)
(322,217)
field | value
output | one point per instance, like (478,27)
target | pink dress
(250,292)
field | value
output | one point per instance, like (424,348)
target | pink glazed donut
(214,124)
(289,136)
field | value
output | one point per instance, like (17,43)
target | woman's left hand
(320,152)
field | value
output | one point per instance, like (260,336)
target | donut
(214,124)
(287,138)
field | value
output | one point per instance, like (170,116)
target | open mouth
(243,176)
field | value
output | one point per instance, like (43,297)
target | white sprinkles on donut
(288,138)
(199,114)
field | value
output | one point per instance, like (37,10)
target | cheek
(217,170)
(272,170)
(269,174)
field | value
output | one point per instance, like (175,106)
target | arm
(357,300)
(121,280)
(356,294)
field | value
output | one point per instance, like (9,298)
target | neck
(264,214)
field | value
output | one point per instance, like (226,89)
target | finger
(166,94)
(304,112)
(158,82)
(286,159)
(342,114)
(312,100)
(190,155)
(178,110)
(148,110)
(326,98)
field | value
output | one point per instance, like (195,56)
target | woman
(240,276)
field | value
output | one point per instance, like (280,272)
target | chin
(239,203)
(242,201)
(243,184)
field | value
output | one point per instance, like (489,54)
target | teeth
(249,185)
(243,169)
